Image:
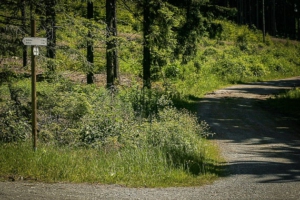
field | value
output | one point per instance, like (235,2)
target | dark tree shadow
(271,140)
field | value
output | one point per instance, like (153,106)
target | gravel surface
(262,151)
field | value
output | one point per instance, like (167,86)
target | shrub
(179,135)
(171,71)
(13,127)
(14,114)
(258,70)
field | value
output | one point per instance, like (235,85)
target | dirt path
(262,151)
(262,148)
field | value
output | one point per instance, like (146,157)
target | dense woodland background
(281,16)
(190,19)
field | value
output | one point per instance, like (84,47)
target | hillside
(127,134)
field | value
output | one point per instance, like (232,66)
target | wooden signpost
(34,42)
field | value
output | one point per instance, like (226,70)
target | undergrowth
(132,137)
(132,167)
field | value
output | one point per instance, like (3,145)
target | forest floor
(261,149)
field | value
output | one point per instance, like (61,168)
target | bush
(14,114)
(111,123)
(13,127)
(74,115)
(258,70)
(233,70)
(171,71)
(179,135)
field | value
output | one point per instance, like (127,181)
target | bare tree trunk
(257,14)
(115,41)
(264,21)
(146,50)
(298,35)
(242,12)
(51,30)
(90,52)
(24,30)
(284,20)
(274,28)
(250,13)
(110,4)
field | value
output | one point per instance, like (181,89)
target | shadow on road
(254,141)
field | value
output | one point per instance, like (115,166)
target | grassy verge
(143,167)
(286,103)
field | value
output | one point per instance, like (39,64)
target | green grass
(142,167)
(287,103)
(137,138)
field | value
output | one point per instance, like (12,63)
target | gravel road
(262,151)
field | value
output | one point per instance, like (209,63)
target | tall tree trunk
(263,21)
(242,12)
(274,28)
(257,14)
(115,43)
(298,27)
(250,13)
(284,20)
(90,52)
(112,64)
(51,30)
(297,22)
(146,48)
(24,30)
(295,27)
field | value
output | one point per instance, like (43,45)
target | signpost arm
(33,89)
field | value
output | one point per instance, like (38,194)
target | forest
(118,83)
(277,18)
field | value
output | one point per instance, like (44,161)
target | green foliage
(210,51)
(287,103)
(14,112)
(10,41)
(110,123)
(142,167)
(179,135)
(147,102)
(119,120)
(86,116)
(172,71)
(12,127)
(164,146)
(240,68)
(72,52)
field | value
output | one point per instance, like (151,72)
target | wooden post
(33,89)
